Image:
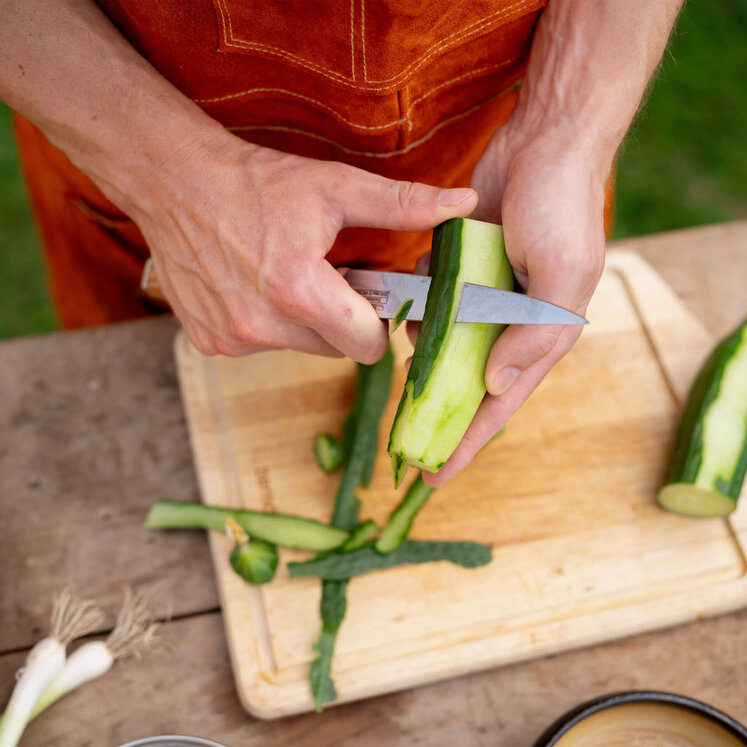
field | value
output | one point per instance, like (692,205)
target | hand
(239,235)
(549,195)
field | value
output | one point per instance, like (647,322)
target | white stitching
(352,39)
(363,37)
(372,154)
(476,71)
(318,103)
(231,41)
(457,36)
(408,105)
(462,34)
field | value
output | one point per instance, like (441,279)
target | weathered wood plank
(189,689)
(91,431)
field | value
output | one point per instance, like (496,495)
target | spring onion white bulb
(133,632)
(70,618)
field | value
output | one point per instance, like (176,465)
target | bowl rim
(165,738)
(575,715)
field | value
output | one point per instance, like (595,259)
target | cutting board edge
(251,686)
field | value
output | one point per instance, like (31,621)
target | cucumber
(709,458)
(400,521)
(277,529)
(337,566)
(446,380)
(327,452)
(360,535)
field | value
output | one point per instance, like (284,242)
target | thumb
(522,346)
(374,201)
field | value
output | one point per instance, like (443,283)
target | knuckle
(545,342)
(405,194)
(249,330)
(228,349)
(292,299)
(206,347)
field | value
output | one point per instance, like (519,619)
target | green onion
(133,632)
(71,618)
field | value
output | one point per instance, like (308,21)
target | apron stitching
(363,37)
(320,104)
(450,41)
(352,39)
(231,41)
(478,70)
(408,107)
(406,120)
(401,151)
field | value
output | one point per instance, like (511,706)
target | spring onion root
(71,618)
(133,633)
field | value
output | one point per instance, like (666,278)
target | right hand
(239,236)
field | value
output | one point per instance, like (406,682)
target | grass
(25,305)
(684,162)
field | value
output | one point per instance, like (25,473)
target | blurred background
(684,162)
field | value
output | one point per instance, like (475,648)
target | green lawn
(683,164)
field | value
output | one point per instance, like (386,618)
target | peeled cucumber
(446,380)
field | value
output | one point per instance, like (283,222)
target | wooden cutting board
(566,497)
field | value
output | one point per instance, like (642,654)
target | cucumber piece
(255,561)
(360,440)
(401,315)
(328,452)
(278,529)
(337,566)
(446,380)
(360,535)
(400,521)
(709,457)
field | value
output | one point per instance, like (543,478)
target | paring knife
(388,291)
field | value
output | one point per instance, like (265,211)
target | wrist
(143,162)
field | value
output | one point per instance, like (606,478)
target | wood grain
(566,498)
(92,432)
(189,689)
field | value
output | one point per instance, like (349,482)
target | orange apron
(409,89)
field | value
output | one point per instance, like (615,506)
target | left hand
(547,191)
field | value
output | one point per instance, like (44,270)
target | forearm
(590,63)
(67,69)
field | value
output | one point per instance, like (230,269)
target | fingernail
(454,197)
(503,380)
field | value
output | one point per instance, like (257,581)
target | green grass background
(684,163)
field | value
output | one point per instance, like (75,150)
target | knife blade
(387,291)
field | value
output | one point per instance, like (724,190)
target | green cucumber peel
(335,566)
(283,530)
(401,315)
(397,528)
(439,305)
(360,440)
(360,535)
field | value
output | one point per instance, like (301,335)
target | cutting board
(566,497)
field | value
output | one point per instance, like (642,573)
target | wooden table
(93,430)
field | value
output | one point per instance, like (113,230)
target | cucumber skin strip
(439,305)
(269,527)
(335,566)
(687,453)
(398,526)
(360,439)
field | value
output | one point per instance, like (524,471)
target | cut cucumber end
(691,500)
